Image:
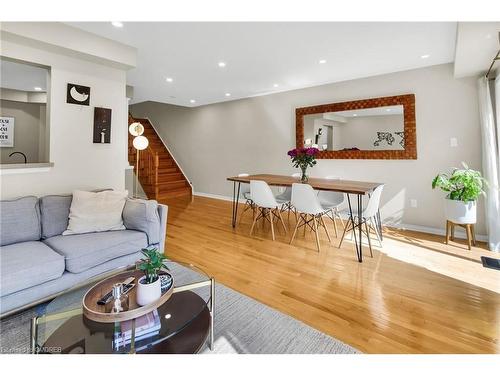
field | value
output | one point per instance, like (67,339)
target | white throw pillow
(96,212)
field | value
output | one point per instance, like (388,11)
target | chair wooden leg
(305,220)
(447,231)
(294,231)
(373,225)
(343,234)
(452,228)
(334,224)
(282,221)
(326,229)
(368,237)
(271,219)
(253,223)
(316,232)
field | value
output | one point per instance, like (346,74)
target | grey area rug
(242,325)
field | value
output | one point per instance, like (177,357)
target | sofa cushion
(96,211)
(19,220)
(54,211)
(28,264)
(84,251)
(142,215)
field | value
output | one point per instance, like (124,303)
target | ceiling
(25,77)
(477,45)
(263,58)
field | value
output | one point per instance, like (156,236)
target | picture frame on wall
(102,125)
(7,131)
(78,94)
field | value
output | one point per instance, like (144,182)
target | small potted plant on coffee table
(149,285)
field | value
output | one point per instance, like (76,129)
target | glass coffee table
(187,321)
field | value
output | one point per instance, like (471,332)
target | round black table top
(185,325)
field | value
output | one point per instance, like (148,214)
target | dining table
(351,188)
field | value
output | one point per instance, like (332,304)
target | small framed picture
(7,131)
(77,94)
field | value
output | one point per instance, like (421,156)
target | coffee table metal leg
(212,312)
(34,335)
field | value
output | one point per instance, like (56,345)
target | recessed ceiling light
(354,114)
(168,79)
(488,36)
(192,101)
(221,64)
(322,61)
(424,56)
(117,24)
(388,109)
(275,85)
(227,94)
(37,88)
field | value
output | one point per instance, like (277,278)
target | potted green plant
(464,186)
(149,285)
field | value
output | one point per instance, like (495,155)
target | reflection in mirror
(379,128)
(24,130)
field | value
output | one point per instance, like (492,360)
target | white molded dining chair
(286,197)
(331,200)
(264,200)
(245,194)
(368,218)
(307,204)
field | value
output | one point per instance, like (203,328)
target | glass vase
(304,177)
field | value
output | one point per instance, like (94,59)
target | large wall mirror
(379,128)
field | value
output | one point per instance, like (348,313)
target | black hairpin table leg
(359,249)
(236,195)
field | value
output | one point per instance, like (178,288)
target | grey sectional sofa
(38,262)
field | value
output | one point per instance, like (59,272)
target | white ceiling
(477,45)
(20,76)
(259,55)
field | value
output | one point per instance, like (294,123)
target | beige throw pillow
(96,212)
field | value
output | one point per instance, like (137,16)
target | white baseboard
(416,228)
(216,196)
(440,231)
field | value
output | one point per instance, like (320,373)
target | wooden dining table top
(344,186)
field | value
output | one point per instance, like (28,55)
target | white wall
(78,163)
(253,135)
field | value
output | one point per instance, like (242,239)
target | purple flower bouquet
(302,158)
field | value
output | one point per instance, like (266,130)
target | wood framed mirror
(377,128)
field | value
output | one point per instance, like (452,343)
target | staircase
(159,174)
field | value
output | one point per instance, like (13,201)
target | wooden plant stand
(469,229)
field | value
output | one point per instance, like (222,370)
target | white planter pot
(147,293)
(460,212)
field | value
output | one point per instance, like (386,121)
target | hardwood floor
(417,295)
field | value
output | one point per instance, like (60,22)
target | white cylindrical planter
(460,212)
(147,293)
